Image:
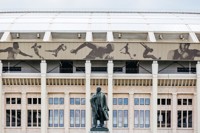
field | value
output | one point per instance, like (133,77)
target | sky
(101,5)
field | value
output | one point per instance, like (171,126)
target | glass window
(34,118)
(125,101)
(136,101)
(168,118)
(39,118)
(50,100)
(147,101)
(50,118)
(29,118)
(82,101)
(77,118)
(61,100)
(55,118)
(179,119)
(141,101)
(163,118)
(136,118)
(163,101)
(179,101)
(190,119)
(114,101)
(147,118)
(18,100)
(125,118)
(72,101)
(189,101)
(184,118)
(71,118)
(61,118)
(34,100)
(168,101)
(7,100)
(141,118)
(114,118)
(29,100)
(39,100)
(55,101)
(158,118)
(13,101)
(158,101)
(120,101)
(120,118)
(18,118)
(13,118)
(8,118)
(77,101)
(82,118)
(184,101)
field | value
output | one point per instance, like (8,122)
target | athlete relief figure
(36,50)
(14,51)
(126,50)
(57,50)
(147,51)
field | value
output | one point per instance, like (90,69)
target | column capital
(174,93)
(131,93)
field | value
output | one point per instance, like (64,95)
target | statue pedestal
(99,130)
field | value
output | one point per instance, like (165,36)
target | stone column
(174,112)
(197,115)
(154,97)
(110,95)
(87,95)
(24,112)
(66,113)
(130,112)
(1,100)
(44,110)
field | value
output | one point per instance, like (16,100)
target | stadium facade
(147,63)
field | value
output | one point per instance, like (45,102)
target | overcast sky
(101,5)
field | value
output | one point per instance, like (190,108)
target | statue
(99,110)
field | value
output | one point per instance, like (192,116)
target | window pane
(147,101)
(141,118)
(71,117)
(29,118)
(82,118)
(61,123)
(125,101)
(189,101)
(158,101)
(114,118)
(184,118)
(168,101)
(120,118)
(136,118)
(125,118)
(34,100)
(120,101)
(72,101)
(55,118)
(179,119)
(13,118)
(50,100)
(77,101)
(29,100)
(82,101)
(50,118)
(18,118)
(39,118)
(77,118)
(163,101)
(141,101)
(55,101)
(13,101)
(168,118)
(189,118)
(147,118)
(61,100)
(163,118)
(34,118)
(184,101)
(39,100)
(158,118)
(179,101)
(7,100)
(7,118)
(114,101)
(136,101)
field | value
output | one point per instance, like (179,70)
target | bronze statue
(99,108)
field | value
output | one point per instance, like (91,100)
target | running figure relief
(56,51)
(147,51)
(126,51)
(102,52)
(36,50)
(14,51)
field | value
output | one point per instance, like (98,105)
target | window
(184,101)
(184,119)
(141,118)
(77,118)
(164,101)
(120,118)
(13,100)
(56,118)
(120,101)
(164,118)
(56,101)
(34,118)
(34,100)
(13,118)
(77,101)
(72,101)
(114,101)
(82,101)
(186,69)
(141,101)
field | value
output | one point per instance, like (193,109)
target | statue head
(98,89)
